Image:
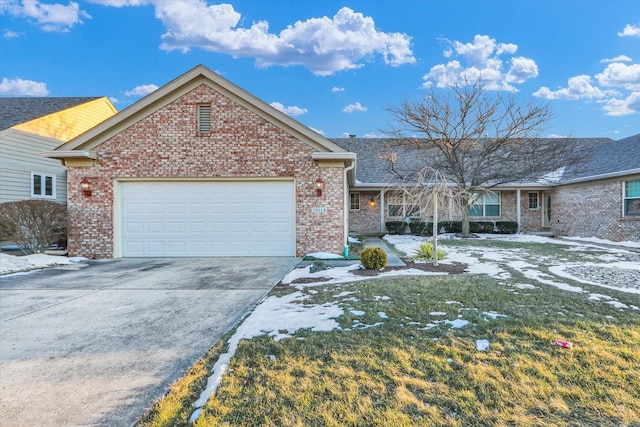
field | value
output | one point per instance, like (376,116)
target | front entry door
(546,209)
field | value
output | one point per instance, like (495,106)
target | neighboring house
(201,167)
(31,126)
(601,199)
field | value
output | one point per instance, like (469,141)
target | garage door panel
(207,218)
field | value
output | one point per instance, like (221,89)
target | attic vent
(204,118)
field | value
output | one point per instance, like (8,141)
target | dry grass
(400,374)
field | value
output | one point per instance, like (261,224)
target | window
(354,203)
(401,206)
(533,201)
(43,185)
(632,198)
(204,118)
(485,204)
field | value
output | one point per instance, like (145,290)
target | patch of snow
(524,286)
(272,315)
(493,315)
(383,315)
(598,297)
(357,312)
(353,240)
(482,345)
(540,277)
(437,313)
(343,294)
(617,304)
(628,244)
(560,270)
(458,323)
(381,298)
(13,263)
(364,326)
(518,265)
(453,302)
(334,274)
(324,255)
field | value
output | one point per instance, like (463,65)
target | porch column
(518,209)
(381,211)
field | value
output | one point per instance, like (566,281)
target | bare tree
(479,139)
(33,225)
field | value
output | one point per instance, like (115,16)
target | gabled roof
(83,145)
(373,166)
(14,111)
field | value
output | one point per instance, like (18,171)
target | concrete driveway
(97,345)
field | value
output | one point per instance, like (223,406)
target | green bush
(450,226)
(425,252)
(507,227)
(420,228)
(395,227)
(373,258)
(481,227)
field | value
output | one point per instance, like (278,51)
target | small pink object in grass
(563,344)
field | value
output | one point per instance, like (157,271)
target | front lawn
(408,351)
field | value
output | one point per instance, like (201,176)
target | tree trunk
(465,216)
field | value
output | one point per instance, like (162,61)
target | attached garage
(207,218)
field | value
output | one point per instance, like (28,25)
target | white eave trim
(603,176)
(71,154)
(333,156)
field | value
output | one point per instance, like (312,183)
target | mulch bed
(454,268)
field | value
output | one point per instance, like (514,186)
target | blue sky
(336,65)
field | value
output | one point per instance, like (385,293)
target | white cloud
(337,89)
(8,34)
(50,17)
(353,108)
(317,130)
(20,87)
(370,135)
(630,31)
(579,87)
(483,61)
(323,45)
(619,58)
(141,90)
(623,107)
(114,100)
(621,76)
(291,110)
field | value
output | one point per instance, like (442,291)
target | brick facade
(366,219)
(165,145)
(593,209)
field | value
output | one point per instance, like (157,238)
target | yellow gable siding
(67,124)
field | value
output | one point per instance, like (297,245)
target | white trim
(43,176)
(625,198)
(537,200)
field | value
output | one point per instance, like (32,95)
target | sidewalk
(392,258)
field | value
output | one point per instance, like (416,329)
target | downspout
(346,203)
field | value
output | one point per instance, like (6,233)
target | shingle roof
(607,157)
(14,111)
(610,158)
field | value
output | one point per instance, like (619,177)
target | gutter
(346,204)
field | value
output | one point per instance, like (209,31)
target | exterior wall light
(319,186)
(85,186)
(372,203)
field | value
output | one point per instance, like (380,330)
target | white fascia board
(333,156)
(71,154)
(599,177)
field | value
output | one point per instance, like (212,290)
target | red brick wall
(592,209)
(242,144)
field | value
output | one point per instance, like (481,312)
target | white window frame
(43,185)
(204,126)
(405,206)
(625,198)
(354,197)
(537,206)
(480,200)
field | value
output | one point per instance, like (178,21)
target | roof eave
(71,154)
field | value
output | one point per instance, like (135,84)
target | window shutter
(204,118)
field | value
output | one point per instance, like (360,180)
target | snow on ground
(627,244)
(14,264)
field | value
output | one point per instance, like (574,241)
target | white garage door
(192,219)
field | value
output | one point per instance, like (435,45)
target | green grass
(400,374)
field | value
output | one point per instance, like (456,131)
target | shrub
(395,227)
(33,225)
(318,265)
(420,228)
(481,227)
(373,258)
(425,252)
(450,226)
(507,227)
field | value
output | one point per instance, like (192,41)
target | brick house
(601,199)
(201,167)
